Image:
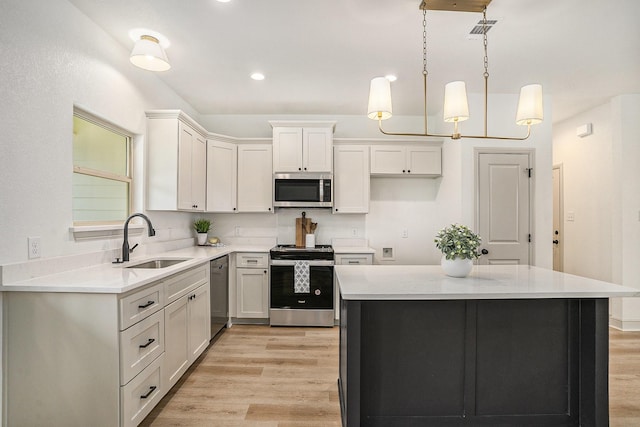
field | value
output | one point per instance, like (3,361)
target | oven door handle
(312,263)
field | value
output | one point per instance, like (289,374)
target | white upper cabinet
(411,160)
(255,180)
(176,162)
(303,148)
(222,172)
(351,179)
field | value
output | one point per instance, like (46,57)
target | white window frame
(96,229)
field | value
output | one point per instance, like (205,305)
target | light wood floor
(257,376)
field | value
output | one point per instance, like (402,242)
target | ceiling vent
(478,28)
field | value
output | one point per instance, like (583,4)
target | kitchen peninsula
(508,345)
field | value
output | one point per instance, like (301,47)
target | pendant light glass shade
(530,105)
(456,107)
(380,99)
(149,55)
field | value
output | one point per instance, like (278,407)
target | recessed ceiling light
(224,1)
(391,77)
(257,76)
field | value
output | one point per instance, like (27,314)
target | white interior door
(557,219)
(503,208)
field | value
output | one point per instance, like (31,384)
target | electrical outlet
(571,216)
(387,253)
(34,247)
(405,233)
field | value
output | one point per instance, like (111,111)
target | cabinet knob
(336,209)
(265,271)
(403,171)
(409,171)
(269,209)
(305,168)
(234,209)
(299,169)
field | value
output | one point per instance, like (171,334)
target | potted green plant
(459,247)
(202,227)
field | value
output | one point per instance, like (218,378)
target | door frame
(559,166)
(531,153)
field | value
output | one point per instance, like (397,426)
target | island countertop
(428,282)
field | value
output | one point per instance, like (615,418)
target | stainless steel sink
(158,263)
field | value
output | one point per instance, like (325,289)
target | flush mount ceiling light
(456,108)
(257,76)
(148,52)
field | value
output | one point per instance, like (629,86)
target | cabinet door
(222,170)
(252,292)
(176,348)
(192,160)
(317,150)
(199,321)
(255,178)
(199,172)
(424,160)
(185,151)
(287,149)
(351,179)
(388,159)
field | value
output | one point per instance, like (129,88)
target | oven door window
(297,190)
(321,288)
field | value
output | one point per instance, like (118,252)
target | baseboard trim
(625,326)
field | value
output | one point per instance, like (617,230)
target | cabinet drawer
(139,305)
(180,284)
(144,392)
(140,344)
(248,259)
(355,259)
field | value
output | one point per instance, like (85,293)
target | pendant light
(456,108)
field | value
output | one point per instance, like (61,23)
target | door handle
(555,242)
(484,252)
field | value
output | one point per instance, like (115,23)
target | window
(101,171)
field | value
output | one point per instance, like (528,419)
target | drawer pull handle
(151,340)
(151,390)
(354,262)
(301,301)
(253,261)
(149,303)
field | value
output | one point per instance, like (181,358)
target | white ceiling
(319,56)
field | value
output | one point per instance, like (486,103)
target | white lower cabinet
(349,259)
(252,285)
(101,359)
(186,332)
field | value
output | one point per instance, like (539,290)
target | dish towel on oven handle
(301,283)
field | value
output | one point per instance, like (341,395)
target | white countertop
(428,282)
(353,250)
(117,279)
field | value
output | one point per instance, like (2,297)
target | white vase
(456,267)
(202,238)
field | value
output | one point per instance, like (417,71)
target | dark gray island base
(474,362)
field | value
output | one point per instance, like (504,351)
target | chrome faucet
(125,245)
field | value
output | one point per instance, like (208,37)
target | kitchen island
(506,346)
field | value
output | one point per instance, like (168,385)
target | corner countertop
(118,279)
(428,282)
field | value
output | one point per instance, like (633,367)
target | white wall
(54,57)
(602,189)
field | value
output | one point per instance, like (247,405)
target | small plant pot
(202,238)
(456,267)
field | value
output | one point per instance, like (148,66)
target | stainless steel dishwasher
(219,294)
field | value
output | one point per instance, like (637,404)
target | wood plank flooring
(258,376)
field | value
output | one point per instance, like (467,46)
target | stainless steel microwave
(302,190)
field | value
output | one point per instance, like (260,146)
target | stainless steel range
(301,286)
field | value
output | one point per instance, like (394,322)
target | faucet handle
(134,246)
(117,261)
